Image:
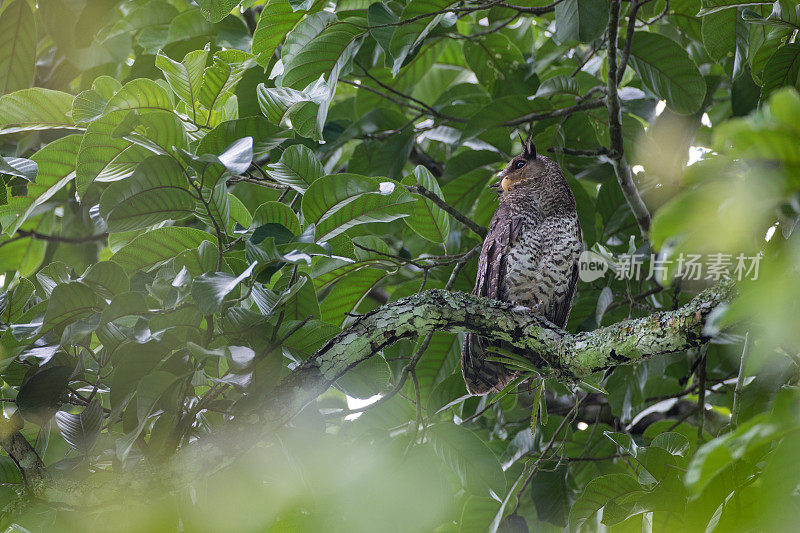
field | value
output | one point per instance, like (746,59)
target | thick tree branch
(21,452)
(565,355)
(621,167)
(568,356)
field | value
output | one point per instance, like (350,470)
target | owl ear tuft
(529,148)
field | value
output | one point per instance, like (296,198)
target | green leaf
(209,290)
(326,55)
(439,362)
(305,31)
(380,15)
(503,110)
(427,219)
(668,71)
(366,379)
(148,392)
(157,246)
(494,59)
(583,20)
(674,443)
(410,35)
(35,109)
(782,69)
(157,191)
(266,136)
(297,168)
(70,302)
(17,47)
(20,167)
(81,430)
(306,109)
(39,397)
(719,33)
(221,78)
(108,277)
(338,202)
(216,10)
(276,21)
(277,213)
(551,494)
(98,149)
(599,492)
(346,295)
(469,458)
(141,94)
(185,77)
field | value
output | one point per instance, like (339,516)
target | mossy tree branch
(568,356)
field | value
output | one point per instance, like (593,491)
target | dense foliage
(197,195)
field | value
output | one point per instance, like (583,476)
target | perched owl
(529,257)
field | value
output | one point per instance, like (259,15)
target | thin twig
(444,206)
(626,52)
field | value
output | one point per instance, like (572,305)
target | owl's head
(529,170)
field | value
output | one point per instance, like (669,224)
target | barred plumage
(529,256)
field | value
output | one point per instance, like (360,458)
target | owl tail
(480,375)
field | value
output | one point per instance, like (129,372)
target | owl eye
(519,164)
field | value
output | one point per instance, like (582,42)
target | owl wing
(560,312)
(503,231)
(480,375)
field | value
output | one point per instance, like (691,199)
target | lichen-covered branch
(566,355)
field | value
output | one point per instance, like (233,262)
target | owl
(529,257)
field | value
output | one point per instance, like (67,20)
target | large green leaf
(276,21)
(70,302)
(35,109)
(326,55)
(81,430)
(338,202)
(306,110)
(469,458)
(17,46)
(493,59)
(216,10)
(297,168)
(277,213)
(346,295)
(410,34)
(220,79)
(503,110)
(19,167)
(668,71)
(39,397)
(719,33)
(782,69)
(185,77)
(99,148)
(427,218)
(157,246)
(141,94)
(266,136)
(599,492)
(157,191)
(583,20)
